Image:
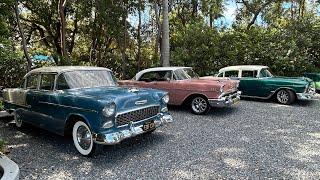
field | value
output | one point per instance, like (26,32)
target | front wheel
(285,96)
(82,139)
(199,105)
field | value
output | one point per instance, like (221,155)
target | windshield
(265,73)
(186,73)
(89,78)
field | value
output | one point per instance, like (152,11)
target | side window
(156,76)
(62,83)
(47,82)
(231,74)
(32,81)
(220,74)
(251,74)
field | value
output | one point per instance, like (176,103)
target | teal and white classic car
(258,82)
(88,104)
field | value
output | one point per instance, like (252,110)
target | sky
(230,9)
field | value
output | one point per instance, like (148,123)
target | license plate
(236,101)
(148,126)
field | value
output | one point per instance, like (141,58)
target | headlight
(109,110)
(165,98)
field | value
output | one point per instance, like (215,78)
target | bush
(12,67)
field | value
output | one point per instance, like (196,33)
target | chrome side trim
(272,93)
(71,107)
(25,106)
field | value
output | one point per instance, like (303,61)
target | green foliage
(283,50)
(12,67)
(1,106)
(2,145)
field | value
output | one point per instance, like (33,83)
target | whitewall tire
(82,139)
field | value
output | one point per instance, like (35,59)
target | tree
(165,45)
(21,31)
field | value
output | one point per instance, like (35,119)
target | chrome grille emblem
(142,102)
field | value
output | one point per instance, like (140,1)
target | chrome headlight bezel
(109,110)
(165,99)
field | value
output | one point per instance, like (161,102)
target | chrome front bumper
(306,96)
(116,137)
(225,101)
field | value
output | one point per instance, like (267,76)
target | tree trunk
(139,36)
(157,41)
(61,9)
(24,44)
(165,45)
(124,46)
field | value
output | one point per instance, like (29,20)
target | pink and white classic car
(186,88)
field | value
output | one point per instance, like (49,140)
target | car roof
(61,69)
(171,68)
(243,67)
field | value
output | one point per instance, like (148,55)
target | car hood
(293,80)
(124,97)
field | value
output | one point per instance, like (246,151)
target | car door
(31,114)
(250,83)
(48,103)
(161,80)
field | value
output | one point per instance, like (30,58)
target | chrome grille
(137,115)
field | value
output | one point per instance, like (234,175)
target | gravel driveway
(252,140)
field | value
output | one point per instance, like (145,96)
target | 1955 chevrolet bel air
(87,103)
(185,87)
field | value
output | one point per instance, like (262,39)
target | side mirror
(168,79)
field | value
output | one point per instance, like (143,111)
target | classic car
(258,82)
(185,87)
(316,78)
(86,103)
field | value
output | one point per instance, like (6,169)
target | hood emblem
(133,90)
(141,102)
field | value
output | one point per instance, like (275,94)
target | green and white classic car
(258,82)
(316,78)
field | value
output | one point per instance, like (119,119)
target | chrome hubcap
(18,119)
(84,137)
(199,105)
(283,96)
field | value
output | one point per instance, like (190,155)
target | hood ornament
(133,90)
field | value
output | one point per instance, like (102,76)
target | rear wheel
(17,119)
(285,96)
(83,139)
(199,105)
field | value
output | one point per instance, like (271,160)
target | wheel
(285,96)
(17,119)
(82,139)
(199,105)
